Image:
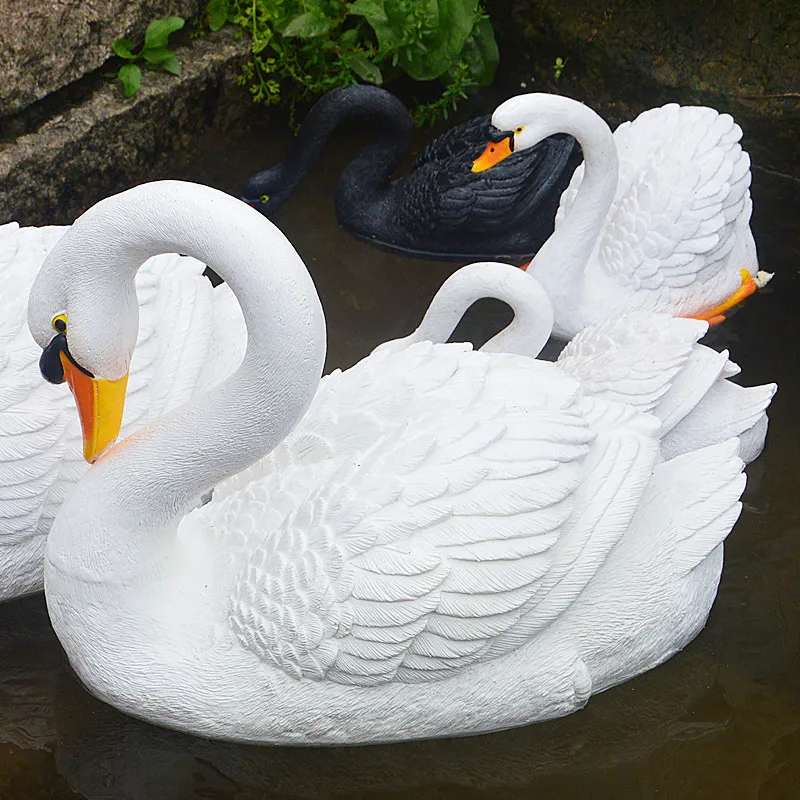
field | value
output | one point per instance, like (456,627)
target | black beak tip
(50,361)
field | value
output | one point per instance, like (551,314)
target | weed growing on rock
(154,53)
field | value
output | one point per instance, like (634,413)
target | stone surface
(48,44)
(105,143)
(743,50)
(738,56)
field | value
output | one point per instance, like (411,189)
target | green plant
(154,53)
(558,67)
(304,48)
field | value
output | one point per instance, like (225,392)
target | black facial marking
(496,135)
(50,361)
(60,326)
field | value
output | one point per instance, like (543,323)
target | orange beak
(100,406)
(494,153)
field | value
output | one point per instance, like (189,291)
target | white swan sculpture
(657,218)
(649,361)
(182,318)
(461,542)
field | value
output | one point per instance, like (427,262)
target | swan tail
(702,370)
(664,573)
(726,410)
(705,487)
(634,359)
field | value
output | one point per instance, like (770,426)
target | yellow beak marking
(100,406)
(494,153)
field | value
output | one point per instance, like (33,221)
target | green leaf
(369,9)
(172,65)
(348,39)
(376,14)
(123,48)
(480,53)
(364,68)
(308,25)
(157,55)
(438,49)
(131,77)
(217,14)
(159,30)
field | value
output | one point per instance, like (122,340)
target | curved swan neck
(160,471)
(525,335)
(560,262)
(368,173)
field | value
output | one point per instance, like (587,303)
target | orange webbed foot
(717,314)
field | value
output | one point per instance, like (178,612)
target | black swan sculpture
(441,209)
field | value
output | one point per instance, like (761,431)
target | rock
(106,143)
(48,44)
(739,57)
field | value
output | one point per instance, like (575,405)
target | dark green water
(720,720)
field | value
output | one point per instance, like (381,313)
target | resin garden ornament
(657,218)
(649,361)
(451,542)
(440,209)
(190,336)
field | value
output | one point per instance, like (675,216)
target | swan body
(650,361)
(657,218)
(439,209)
(451,542)
(40,436)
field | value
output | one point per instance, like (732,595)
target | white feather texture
(657,217)
(653,362)
(650,361)
(190,336)
(449,542)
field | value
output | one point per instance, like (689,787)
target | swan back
(681,206)
(365,550)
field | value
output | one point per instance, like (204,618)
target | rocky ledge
(105,143)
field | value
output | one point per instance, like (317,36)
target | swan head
(522,122)
(268,190)
(84,316)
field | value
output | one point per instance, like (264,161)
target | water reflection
(722,719)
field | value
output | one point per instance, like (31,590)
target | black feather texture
(441,209)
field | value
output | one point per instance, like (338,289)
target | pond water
(721,719)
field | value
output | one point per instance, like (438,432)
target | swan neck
(159,473)
(525,335)
(560,263)
(367,174)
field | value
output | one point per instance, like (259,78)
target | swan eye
(519,129)
(264,198)
(60,323)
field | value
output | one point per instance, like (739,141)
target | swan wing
(32,432)
(634,358)
(22,251)
(32,444)
(682,203)
(443,193)
(415,556)
(191,336)
(463,142)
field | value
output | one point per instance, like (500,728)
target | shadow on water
(721,719)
